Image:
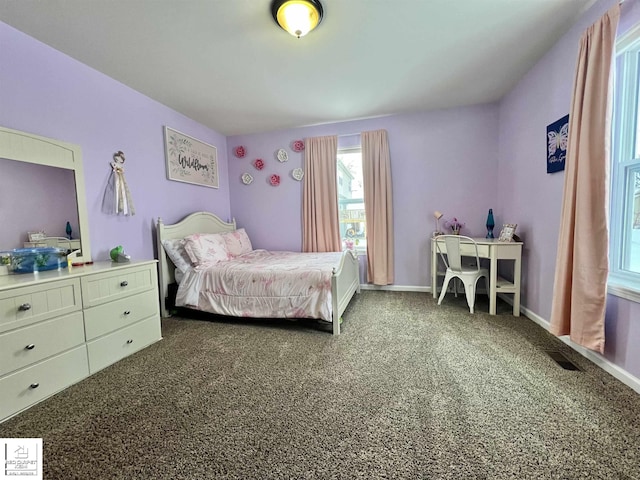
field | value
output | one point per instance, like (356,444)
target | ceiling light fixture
(298,17)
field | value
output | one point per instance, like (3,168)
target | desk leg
(517,266)
(434,271)
(493,283)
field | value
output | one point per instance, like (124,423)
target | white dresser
(58,327)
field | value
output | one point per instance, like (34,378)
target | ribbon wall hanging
(117,197)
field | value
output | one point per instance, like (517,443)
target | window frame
(622,282)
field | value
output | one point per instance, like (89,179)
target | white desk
(494,250)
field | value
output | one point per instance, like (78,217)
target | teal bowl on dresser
(29,260)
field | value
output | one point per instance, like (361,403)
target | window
(351,199)
(624,247)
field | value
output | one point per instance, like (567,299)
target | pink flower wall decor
(258,163)
(239,152)
(274,180)
(297,146)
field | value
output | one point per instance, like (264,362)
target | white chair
(469,275)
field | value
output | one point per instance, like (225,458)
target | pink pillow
(206,248)
(237,242)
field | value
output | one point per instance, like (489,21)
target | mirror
(63,162)
(37,198)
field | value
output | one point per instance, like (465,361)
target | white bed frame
(345,280)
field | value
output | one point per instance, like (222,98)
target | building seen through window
(634,251)
(351,199)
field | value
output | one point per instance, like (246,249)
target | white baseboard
(405,288)
(394,288)
(608,366)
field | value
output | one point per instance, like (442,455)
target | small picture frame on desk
(507,232)
(36,236)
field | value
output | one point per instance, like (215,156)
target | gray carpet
(410,390)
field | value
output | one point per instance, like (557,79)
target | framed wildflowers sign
(189,160)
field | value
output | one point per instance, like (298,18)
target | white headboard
(199,222)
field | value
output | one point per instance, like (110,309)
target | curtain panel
(320,226)
(582,264)
(378,202)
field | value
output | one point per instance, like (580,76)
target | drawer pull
(130,341)
(31,346)
(124,283)
(34,385)
(127,312)
(24,307)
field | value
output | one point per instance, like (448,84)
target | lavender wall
(48,93)
(533,198)
(441,160)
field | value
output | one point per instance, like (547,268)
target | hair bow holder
(117,197)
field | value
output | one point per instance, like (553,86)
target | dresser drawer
(111,316)
(24,306)
(32,384)
(28,345)
(121,282)
(115,346)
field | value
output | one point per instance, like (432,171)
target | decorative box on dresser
(58,327)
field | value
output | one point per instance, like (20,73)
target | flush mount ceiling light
(298,17)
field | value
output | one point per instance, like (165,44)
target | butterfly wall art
(557,140)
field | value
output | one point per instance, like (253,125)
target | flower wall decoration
(239,151)
(274,180)
(247,178)
(297,174)
(297,146)
(282,155)
(258,163)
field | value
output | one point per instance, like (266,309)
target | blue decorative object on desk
(490,224)
(68,230)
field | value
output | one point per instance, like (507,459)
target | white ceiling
(227,65)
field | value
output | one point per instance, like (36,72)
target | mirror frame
(30,148)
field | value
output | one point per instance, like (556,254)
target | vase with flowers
(455,225)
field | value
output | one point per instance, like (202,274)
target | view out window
(351,199)
(624,249)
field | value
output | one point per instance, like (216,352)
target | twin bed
(247,282)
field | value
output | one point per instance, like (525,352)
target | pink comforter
(263,284)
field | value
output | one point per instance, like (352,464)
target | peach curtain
(376,170)
(582,263)
(320,227)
